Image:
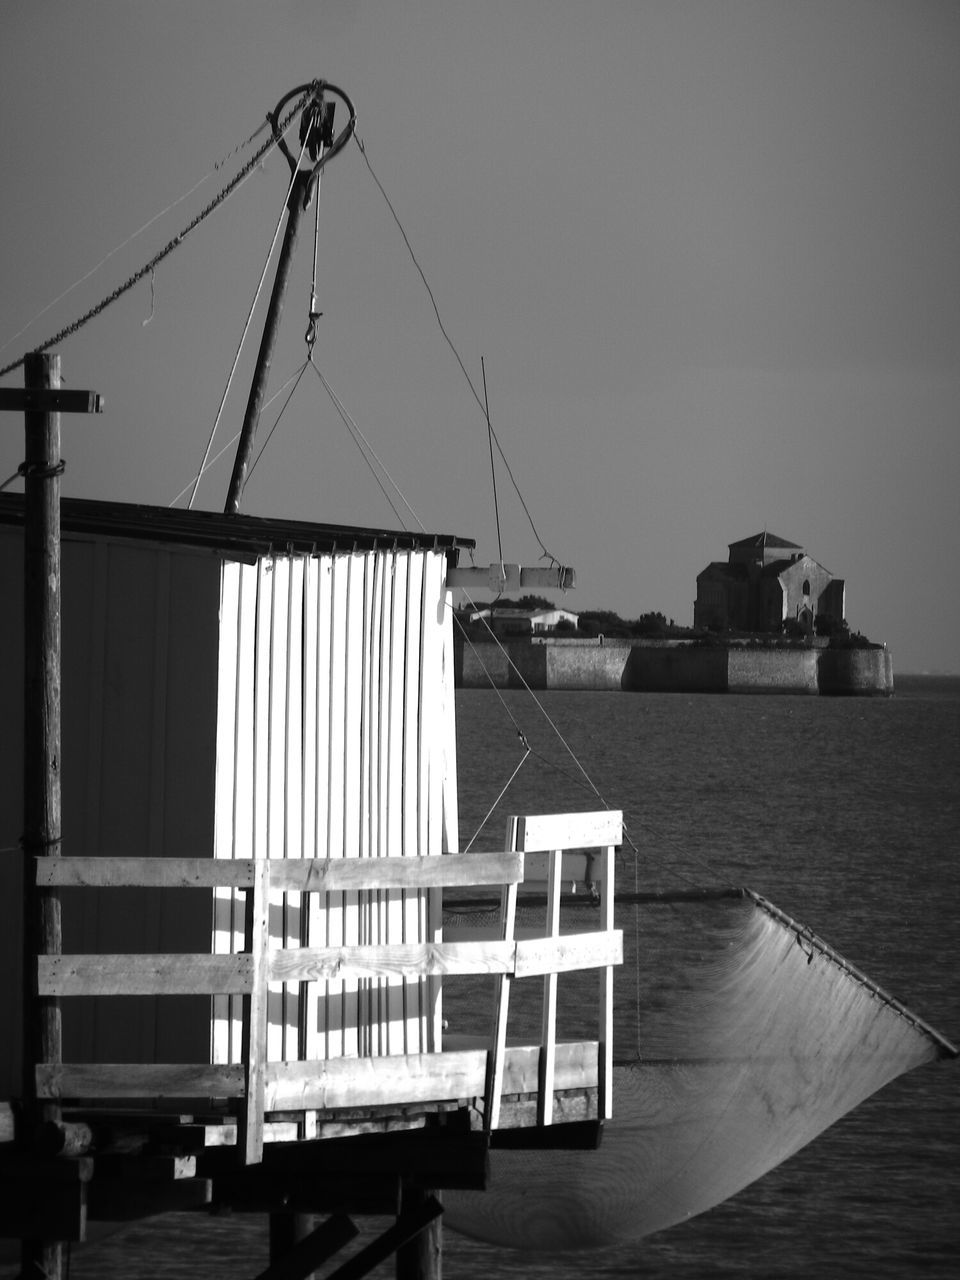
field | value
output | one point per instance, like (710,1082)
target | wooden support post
(420,1257)
(405,1228)
(254,1034)
(41,755)
(42,402)
(298,1247)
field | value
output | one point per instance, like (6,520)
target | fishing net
(752,1037)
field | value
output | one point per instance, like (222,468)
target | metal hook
(310,337)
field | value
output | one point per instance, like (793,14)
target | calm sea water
(845,813)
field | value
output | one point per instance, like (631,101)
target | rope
(584,779)
(133,236)
(283,410)
(541,708)
(450,344)
(506,788)
(177,240)
(351,425)
(232,441)
(246,327)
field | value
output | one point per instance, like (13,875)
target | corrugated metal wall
(293,706)
(140,645)
(335,739)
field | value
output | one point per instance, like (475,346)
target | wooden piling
(42,1039)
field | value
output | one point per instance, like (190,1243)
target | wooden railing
(259,1086)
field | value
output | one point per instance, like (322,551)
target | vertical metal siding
(335,724)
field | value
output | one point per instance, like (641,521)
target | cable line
(476,395)
(177,240)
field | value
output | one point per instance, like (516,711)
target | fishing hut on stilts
(233,959)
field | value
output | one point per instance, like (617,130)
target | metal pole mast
(316,132)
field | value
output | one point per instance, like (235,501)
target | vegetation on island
(592,623)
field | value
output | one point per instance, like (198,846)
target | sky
(707,251)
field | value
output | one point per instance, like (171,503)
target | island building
(765,584)
(504,621)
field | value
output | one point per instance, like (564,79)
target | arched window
(806,586)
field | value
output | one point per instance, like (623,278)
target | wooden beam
(50,399)
(42,1037)
(254,1030)
(503,578)
(399,1079)
(138,1080)
(571,951)
(548,831)
(401,960)
(145,975)
(313,1250)
(311,875)
(405,1228)
(243,974)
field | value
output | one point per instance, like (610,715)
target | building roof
(240,534)
(723,569)
(764,540)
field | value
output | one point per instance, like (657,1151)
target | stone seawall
(673,667)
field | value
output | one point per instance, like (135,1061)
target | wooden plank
(159,873)
(575,1066)
(508,914)
(150,975)
(313,875)
(139,1080)
(255,1014)
(548,831)
(605,1065)
(50,400)
(536,956)
(503,578)
(41,1021)
(548,1029)
(225,1134)
(412,1079)
(313,1250)
(410,961)
(452,870)
(407,1226)
(7,1127)
(398,1079)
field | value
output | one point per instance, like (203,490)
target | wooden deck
(336,1134)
